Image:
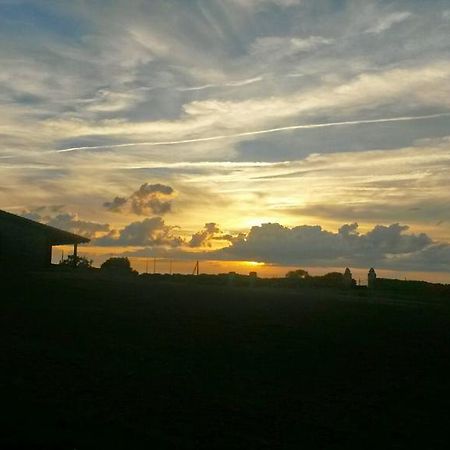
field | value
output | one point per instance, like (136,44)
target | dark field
(97,364)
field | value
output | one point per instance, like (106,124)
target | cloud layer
(383,246)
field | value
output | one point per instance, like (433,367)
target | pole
(75,254)
(154,265)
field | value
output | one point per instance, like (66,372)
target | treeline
(293,280)
(332,280)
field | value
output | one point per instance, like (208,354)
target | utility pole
(196,270)
(75,254)
(170,267)
(154,265)
(146,265)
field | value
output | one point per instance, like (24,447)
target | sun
(253,263)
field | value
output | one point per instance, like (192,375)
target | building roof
(54,235)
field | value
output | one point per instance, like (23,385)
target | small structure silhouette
(253,277)
(232,278)
(348,278)
(371,278)
(27,245)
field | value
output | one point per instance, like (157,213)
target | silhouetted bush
(332,279)
(120,266)
(297,274)
(79,262)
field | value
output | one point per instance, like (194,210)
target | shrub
(77,261)
(118,265)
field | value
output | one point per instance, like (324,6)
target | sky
(288,133)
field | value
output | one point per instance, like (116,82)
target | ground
(91,363)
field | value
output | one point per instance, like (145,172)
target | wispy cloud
(387,22)
(237,83)
(274,47)
(258,132)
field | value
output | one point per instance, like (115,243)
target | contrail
(255,133)
(238,83)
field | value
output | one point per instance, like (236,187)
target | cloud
(385,23)
(275,47)
(236,83)
(259,3)
(66,221)
(419,211)
(116,204)
(384,246)
(152,232)
(109,101)
(203,238)
(148,199)
(433,258)
(71,222)
(312,245)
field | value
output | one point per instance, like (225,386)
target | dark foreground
(96,364)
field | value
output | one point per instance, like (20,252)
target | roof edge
(77,239)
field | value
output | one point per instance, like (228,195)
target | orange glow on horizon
(264,270)
(253,263)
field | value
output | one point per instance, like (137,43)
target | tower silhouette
(371,278)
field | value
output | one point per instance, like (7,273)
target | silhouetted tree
(298,274)
(118,265)
(332,279)
(77,261)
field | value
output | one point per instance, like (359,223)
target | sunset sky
(294,133)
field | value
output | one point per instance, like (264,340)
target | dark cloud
(149,232)
(436,257)
(203,238)
(384,246)
(66,221)
(412,212)
(148,199)
(116,204)
(71,222)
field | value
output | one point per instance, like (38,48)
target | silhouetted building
(26,244)
(232,278)
(348,278)
(371,278)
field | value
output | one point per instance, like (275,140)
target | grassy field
(116,364)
